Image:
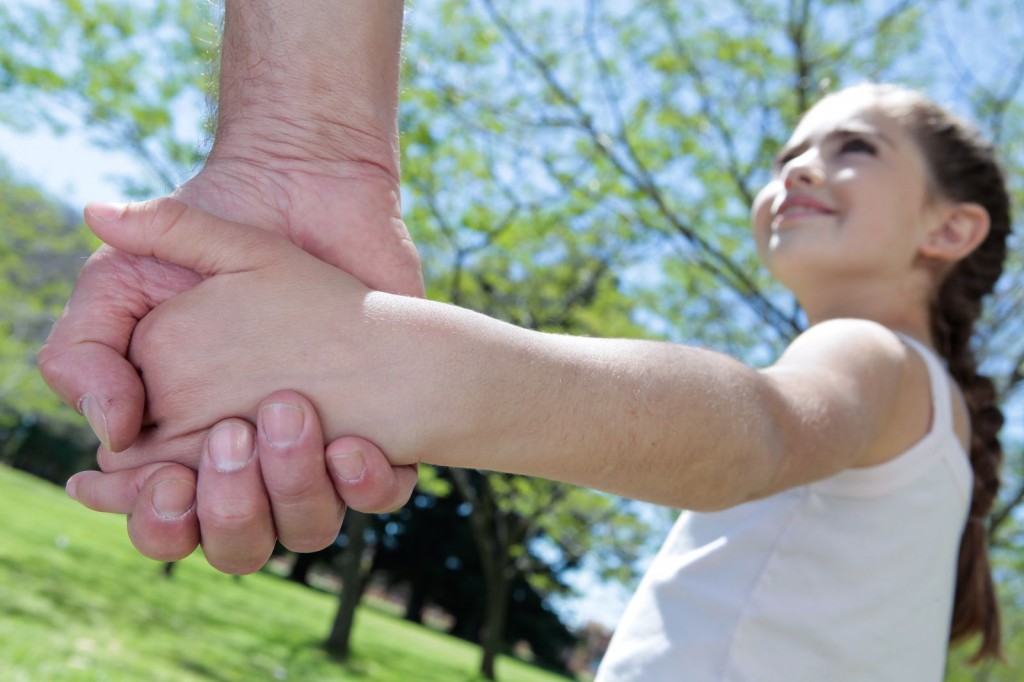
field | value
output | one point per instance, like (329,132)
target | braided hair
(963,168)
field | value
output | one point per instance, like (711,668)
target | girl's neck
(893,312)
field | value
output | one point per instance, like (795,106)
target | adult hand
(292,320)
(84,362)
(318,165)
(347,215)
(170,509)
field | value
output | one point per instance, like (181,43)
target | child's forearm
(662,422)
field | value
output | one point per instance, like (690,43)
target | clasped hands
(190,467)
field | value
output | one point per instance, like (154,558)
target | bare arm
(311,80)
(667,423)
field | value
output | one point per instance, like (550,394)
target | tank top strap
(942,404)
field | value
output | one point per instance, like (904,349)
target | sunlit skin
(843,221)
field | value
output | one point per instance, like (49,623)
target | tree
(134,77)
(426,549)
(512,515)
(487,543)
(353,581)
(41,247)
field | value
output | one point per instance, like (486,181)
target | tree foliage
(42,244)
(133,77)
(577,167)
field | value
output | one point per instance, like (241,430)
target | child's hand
(267,317)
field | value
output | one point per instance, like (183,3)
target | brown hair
(964,168)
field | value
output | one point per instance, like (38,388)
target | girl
(837,529)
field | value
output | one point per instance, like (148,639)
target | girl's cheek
(760,210)
(761,216)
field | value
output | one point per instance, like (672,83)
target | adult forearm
(311,79)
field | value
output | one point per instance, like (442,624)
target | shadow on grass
(205,671)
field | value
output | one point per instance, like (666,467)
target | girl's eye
(783,158)
(857,145)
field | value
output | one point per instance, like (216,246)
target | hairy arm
(316,79)
(306,147)
(307,133)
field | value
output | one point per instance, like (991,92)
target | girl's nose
(803,170)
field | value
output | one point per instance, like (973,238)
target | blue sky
(68,167)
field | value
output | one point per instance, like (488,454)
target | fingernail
(106,211)
(282,423)
(71,487)
(89,406)
(174,498)
(231,447)
(349,467)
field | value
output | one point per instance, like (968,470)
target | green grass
(78,603)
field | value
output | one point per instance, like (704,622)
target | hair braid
(975,606)
(964,169)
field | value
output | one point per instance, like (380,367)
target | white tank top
(846,579)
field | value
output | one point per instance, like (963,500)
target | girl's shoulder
(863,383)
(848,343)
(919,385)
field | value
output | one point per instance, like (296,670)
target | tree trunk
(490,531)
(495,616)
(300,569)
(337,643)
(467,626)
(417,602)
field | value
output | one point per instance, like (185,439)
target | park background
(579,166)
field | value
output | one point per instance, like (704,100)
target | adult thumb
(180,234)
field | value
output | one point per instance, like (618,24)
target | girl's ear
(963,228)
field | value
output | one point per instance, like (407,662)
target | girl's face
(848,202)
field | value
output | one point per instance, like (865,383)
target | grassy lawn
(78,603)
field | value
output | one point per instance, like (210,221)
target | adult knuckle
(109,461)
(229,515)
(157,341)
(307,543)
(166,550)
(390,498)
(162,213)
(293,492)
(52,362)
(234,566)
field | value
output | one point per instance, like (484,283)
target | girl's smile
(790,207)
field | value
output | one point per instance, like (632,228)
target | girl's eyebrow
(788,152)
(848,131)
(854,131)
